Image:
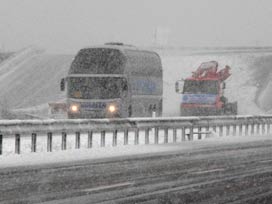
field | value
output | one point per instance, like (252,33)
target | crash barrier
(19,136)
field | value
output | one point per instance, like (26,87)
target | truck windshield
(95,87)
(200,87)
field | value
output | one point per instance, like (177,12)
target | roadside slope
(34,81)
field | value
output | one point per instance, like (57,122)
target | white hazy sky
(67,25)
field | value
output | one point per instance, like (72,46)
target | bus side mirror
(179,86)
(224,85)
(124,85)
(62,84)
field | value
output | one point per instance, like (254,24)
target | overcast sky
(67,25)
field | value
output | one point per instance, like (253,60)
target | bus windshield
(98,61)
(95,87)
(200,87)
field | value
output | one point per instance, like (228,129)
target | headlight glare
(112,108)
(74,108)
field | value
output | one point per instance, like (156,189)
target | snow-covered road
(214,171)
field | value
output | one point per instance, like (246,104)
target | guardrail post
(77,140)
(214,128)
(240,130)
(207,128)
(228,130)
(136,141)
(268,128)
(114,138)
(258,129)
(33,142)
(17,144)
(183,134)
(63,141)
(199,133)
(246,130)
(49,142)
(165,135)
(263,128)
(126,137)
(90,139)
(156,135)
(102,142)
(147,136)
(234,130)
(252,129)
(1,144)
(220,130)
(191,135)
(174,135)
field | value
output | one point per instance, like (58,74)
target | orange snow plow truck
(202,94)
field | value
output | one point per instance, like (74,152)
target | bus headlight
(112,108)
(74,108)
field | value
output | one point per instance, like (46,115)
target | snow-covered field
(31,79)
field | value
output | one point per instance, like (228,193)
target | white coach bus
(114,80)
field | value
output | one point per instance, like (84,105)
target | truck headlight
(74,108)
(112,108)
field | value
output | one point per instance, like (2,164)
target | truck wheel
(231,108)
(235,108)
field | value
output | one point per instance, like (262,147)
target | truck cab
(202,94)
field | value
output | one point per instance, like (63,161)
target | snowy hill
(30,79)
(4,56)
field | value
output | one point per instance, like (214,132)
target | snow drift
(31,79)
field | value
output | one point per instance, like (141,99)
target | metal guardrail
(190,128)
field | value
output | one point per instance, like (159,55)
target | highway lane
(230,173)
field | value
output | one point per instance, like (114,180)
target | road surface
(221,173)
